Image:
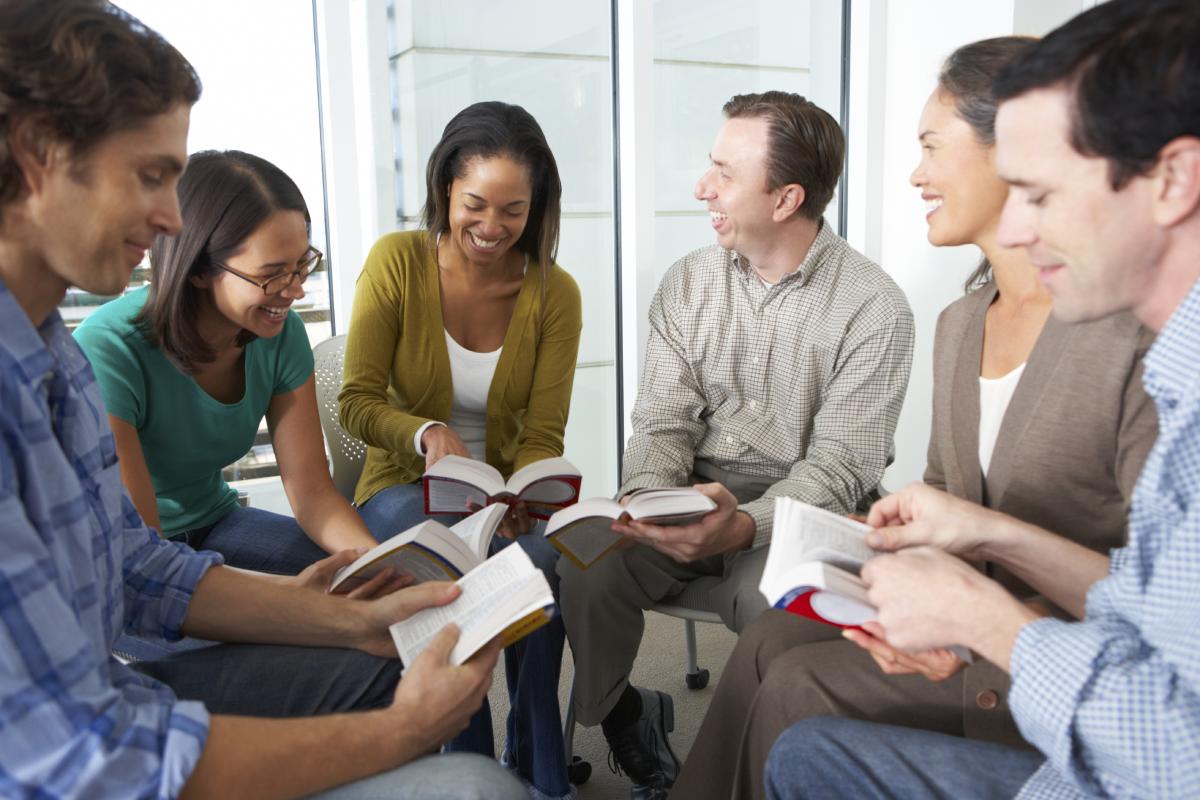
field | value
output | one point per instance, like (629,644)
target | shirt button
(987,700)
(754,359)
(728,440)
(753,404)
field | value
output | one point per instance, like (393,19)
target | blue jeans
(830,757)
(249,538)
(532,666)
(283,681)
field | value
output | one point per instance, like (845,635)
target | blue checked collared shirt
(78,567)
(1114,701)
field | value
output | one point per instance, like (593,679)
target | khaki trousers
(776,676)
(603,606)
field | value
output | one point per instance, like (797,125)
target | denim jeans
(830,757)
(248,538)
(532,666)
(282,681)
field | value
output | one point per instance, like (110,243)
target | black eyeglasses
(276,284)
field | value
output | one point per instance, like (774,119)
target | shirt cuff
(421,432)
(762,511)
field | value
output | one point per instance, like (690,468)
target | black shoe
(642,750)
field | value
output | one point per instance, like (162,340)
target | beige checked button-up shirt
(800,382)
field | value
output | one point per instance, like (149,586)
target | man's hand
(929,599)
(440,441)
(382,612)
(722,530)
(919,514)
(936,665)
(319,575)
(435,699)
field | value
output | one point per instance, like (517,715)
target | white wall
(897,48)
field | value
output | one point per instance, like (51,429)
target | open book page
(670,506)
(803,532)
(454,484)
(477,530)
(428,551)
(505,594)
(550,481)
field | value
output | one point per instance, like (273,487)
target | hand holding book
(935,665)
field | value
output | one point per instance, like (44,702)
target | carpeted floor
(661,665)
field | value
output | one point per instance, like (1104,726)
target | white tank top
(994,397)
(471,374)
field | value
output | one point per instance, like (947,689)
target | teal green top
(187,437)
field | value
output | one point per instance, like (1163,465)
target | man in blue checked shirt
(93,125)
(1098,136)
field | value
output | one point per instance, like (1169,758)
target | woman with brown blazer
(1039,419)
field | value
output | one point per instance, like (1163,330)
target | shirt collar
(1170,365)
(813,259)
(27,349)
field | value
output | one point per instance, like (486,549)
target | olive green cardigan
(396,374)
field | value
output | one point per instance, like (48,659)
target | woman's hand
(440,441)
(935,665)
(319,575)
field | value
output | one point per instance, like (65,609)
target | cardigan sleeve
(374,335)
(545,421)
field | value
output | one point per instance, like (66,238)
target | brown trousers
(777,675)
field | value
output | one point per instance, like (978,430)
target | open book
(428,551)
(454,484)
(813,564)
(583,532)
(505,596)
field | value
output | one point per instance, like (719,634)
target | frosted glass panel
(518,26)
(764,32)
(592,429)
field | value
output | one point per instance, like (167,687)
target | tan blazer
(1071,445)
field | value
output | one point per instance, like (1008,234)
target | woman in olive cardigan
(463,341)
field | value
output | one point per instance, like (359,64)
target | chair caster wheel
(578,771)
(697,679)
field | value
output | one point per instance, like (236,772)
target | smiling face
(1095,249)
(734,187)
(279,245)
(100,212)
(489,208)
(957,177)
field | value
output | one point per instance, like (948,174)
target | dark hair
(491,129)
(805,145)
(967,76)
(223,198)
(83,69)
(1133,69)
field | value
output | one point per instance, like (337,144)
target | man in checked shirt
(1098,136)
(776,365)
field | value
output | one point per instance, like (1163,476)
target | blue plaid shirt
(1113,700)
(79,567)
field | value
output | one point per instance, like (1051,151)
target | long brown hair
(223,198)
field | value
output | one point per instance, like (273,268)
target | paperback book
(457,485)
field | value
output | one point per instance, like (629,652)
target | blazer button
(987,700)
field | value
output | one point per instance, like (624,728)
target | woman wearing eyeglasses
(190,365)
